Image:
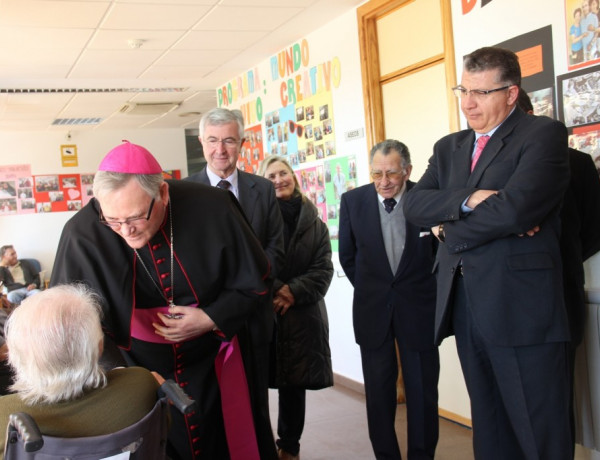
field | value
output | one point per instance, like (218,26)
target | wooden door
(408,68)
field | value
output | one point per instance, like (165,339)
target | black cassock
(219,266)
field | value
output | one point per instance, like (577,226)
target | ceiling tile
(123,64)
(64,14)
(155,17)
(244,18)
(17,39)
(119,39)
(198,57)
(219,40)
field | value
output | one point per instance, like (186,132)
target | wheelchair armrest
(178,397)
(27,429)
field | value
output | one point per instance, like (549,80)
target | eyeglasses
(391,175)
(298,128)
(461,91)
(131,221)
(229,142)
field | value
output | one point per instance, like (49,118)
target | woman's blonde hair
(274,158)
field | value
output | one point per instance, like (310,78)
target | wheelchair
(144,440)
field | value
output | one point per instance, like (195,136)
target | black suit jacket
(411,290)
(580,237)
(258,201)
(514,282)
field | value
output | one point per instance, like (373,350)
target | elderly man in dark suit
(221,133)
(495,208)
(389,262)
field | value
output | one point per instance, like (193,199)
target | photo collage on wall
(304,135)
(340,176)
(23,193)
(302,132)
(251,153)
(62,192)
(578,92)
(16,190)
(579,109)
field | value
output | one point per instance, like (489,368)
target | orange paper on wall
(531,61)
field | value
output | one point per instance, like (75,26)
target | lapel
(247,193)
(369,212)
(494,145)
(411,241)
(203,177)
(462,158)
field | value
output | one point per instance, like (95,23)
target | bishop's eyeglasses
(116,225)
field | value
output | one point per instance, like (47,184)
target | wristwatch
(441,234)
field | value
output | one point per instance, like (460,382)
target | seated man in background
(20,278)
(61,385)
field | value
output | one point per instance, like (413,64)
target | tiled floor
(336,429)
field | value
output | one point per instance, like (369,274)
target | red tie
(480,145)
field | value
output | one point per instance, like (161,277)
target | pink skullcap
(130,159)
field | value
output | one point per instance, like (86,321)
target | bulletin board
(290,113)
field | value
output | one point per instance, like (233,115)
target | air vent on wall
(132,108)
(90,90)
(76,121)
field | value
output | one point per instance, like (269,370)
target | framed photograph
(587,139)
(543,102)
(579,97)
(581,23)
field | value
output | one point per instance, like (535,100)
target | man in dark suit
(495,208)
(579,240)
(221,133)
(389,262)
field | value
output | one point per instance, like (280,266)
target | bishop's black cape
(219,266)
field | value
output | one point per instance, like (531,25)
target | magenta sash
(235,402)
(141,324)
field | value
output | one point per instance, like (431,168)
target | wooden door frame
(367,16)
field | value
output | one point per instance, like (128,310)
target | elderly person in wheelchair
(55,341)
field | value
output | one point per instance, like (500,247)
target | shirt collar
(232,179)
(492,131)
(397,196)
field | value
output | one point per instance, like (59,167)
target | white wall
(341,35)
(37,235)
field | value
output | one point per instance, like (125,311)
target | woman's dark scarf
(290,211)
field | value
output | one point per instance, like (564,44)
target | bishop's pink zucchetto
(130,158)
